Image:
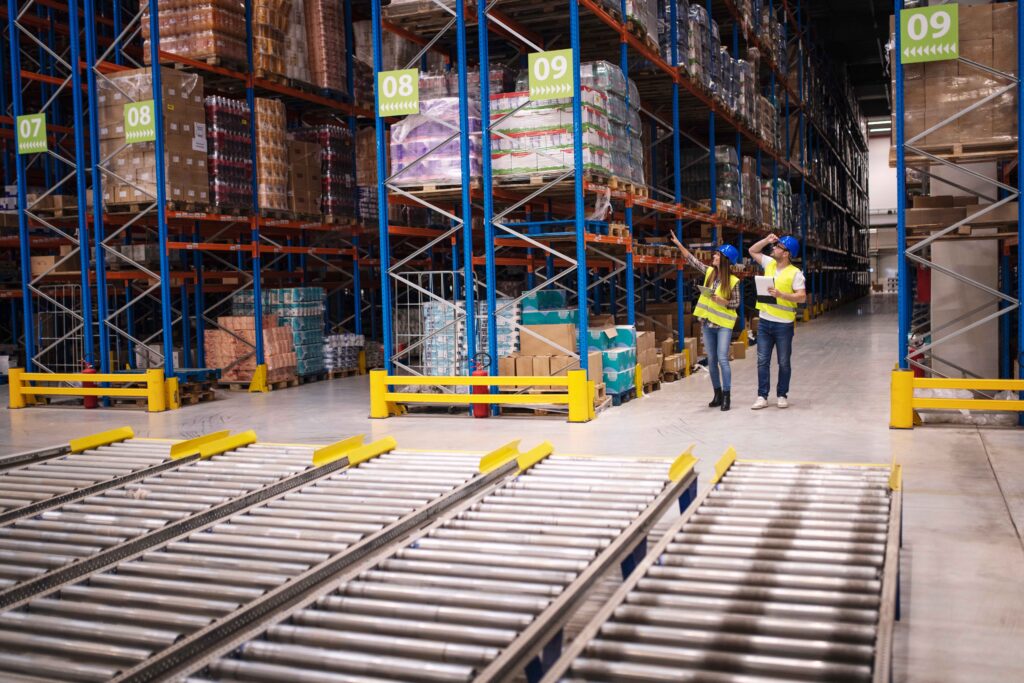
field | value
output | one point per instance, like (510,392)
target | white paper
(763,282)
(707,291)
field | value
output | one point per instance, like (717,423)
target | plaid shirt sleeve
(734,298)
(699,265)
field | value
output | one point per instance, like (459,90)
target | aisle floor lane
(963,594)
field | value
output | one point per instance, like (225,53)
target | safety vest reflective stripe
(784,283)
(713,312)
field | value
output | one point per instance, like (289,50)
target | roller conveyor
(112,620)
(24,487)
(782,572)
(32,549)
(479,586)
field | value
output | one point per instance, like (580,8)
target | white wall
(881,178)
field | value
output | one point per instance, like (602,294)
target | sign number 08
(392,85)
(139,116)
(918,25)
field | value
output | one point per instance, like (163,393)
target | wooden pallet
(138,207)
(438,188)
(652,386)
(313,377)
(192,396)
(273,386)
(599,393)
(671,376)
(265,75)
(277,214)
(620,231)
(342,372)
(961,152)
(623,397)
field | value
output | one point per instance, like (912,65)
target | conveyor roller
(783,572)
(32,546)
(447,604)
(109,621)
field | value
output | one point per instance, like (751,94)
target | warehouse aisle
(964,487)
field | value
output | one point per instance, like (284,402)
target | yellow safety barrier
(87,443)
(578,394)
(903,403)
(23,392)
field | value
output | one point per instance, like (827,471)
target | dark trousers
(778,336)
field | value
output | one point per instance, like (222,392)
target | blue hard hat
(730,252)
(790,244)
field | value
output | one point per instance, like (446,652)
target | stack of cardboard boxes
(185,150)
(304,178)
(232,348)
(543,353)
(934,91)
(617,345)
(649,357)
(933,213)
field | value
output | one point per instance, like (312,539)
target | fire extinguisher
(481,364)
(89,401)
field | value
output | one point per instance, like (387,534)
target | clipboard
(706,291)
(762,283)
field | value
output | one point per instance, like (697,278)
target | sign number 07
(32,134)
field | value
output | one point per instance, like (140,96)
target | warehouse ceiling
(854,33)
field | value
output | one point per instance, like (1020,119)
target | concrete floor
(963,558)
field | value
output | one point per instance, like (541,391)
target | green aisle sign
(32,133)
(930,34)
(139,122)
(550,74)
(398,92)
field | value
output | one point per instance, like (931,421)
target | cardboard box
(937,217)
(937,202)
(524,366)
(645,342)
(41,264)
(601,321)
(542,368)
(738,350)
(601,338)
(507,366)
(667,347)
(563,335)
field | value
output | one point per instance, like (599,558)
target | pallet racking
(542,226)
(204,257)
(920,361)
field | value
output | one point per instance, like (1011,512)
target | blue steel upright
(630,284)
(99,232)
(350,78)
(677,180)
(14,37)
(490,274)
(467,206)
(1020,219)
(83,219)
(161,193)
(382,195)
(257,281)
(902,272)
(579,204)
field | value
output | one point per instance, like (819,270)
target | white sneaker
(783,402)
(761,402)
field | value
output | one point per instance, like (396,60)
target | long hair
(726,281)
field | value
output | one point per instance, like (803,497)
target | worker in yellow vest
(717,308)
(778,315)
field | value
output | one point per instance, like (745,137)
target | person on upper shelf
(717,309)
(778,314)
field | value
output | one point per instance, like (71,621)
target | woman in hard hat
(717,306)
(778,315)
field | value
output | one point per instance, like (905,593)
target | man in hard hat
(778,314)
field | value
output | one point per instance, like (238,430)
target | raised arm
(757,247)
(679,245)
(690,258)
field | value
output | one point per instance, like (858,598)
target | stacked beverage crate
(300,308)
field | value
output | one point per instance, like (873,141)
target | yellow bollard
(172,393)
(578,396)
(378,392)
(362,362)
(156,398)
(901,406)
(17,399)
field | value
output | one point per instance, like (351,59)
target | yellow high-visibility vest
(713,312)
(783,309)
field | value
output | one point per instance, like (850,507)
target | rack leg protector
(782,571)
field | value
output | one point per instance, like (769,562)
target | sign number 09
(918,25)
(544,68)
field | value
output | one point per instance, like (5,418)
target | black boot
(726,400)
(717,401)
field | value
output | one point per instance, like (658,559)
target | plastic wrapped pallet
(269,28)
(230,158)
(232,348)
(184,135)
(210,31)
(337,173)
(304,180)
(300,310)
(341,351)
(298,47)
(325,29)
(272,154)
(417,135)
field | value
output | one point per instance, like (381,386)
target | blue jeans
(716,342)
(780,337)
